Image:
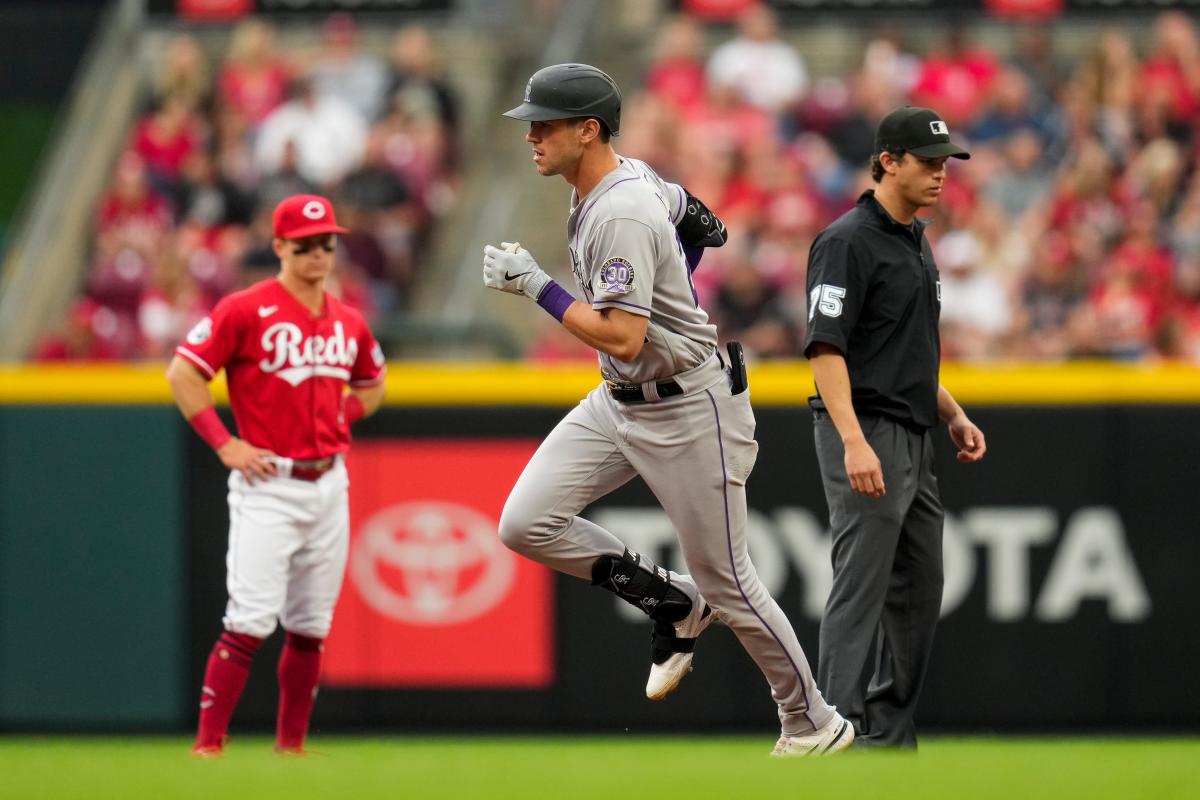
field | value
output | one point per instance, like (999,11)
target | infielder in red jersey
(289,350)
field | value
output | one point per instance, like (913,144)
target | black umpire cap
(916,130)
(564,91)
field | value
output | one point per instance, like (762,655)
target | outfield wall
(1069,554)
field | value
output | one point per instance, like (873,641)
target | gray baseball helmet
(564,91)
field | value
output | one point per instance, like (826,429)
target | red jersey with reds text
(286,367)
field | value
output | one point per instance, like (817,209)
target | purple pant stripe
(733,565)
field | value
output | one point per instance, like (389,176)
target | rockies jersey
(625,254)
(286,367)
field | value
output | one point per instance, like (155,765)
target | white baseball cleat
(837,735)
(671,649)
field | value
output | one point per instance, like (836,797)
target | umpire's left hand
(967,438)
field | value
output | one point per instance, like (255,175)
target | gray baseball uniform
(694,449)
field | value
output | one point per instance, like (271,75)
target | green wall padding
(92,567)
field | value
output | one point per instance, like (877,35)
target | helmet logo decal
(565,91)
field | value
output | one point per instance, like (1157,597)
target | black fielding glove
(700,227)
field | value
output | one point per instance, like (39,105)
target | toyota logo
(431,563)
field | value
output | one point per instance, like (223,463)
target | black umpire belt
(633,392)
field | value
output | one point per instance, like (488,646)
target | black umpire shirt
(874,294)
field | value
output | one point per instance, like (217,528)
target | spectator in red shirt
(1178,335)
(788,202)
(132,225)
(77,339)
(956,79)
(166,138)
(725,120)
(205,256)
(717,10)
(1085,195)
(712,170)
(132,214)
(1121,313)
(676,75)
(1146,259)
(253,80)
(1174,64)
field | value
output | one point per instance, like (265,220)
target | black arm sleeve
(699,227)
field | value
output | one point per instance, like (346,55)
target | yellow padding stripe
(781,383)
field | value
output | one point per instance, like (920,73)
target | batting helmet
(571,90)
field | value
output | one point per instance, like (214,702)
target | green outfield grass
(578,768)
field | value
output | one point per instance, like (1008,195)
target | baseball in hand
(511,247)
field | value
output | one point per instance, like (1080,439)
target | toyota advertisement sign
(1067,578)
(427,572)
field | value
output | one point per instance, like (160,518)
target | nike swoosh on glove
(513,270)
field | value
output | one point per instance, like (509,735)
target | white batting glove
(513,270)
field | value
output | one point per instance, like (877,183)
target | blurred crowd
(1072,232)
(187,217)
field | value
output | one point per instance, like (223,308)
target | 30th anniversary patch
(616,276)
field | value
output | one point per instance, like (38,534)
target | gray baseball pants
(695,452)
(887,580)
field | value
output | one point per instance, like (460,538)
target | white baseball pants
(288,541)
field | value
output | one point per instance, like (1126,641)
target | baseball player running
(289,350)
(669,409)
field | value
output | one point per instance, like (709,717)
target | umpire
(873,306)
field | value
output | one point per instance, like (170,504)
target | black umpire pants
(887,581)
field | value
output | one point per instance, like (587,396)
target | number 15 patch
(827,298)
(616,276)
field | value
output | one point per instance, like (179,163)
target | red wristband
(352,409)
(210,427)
